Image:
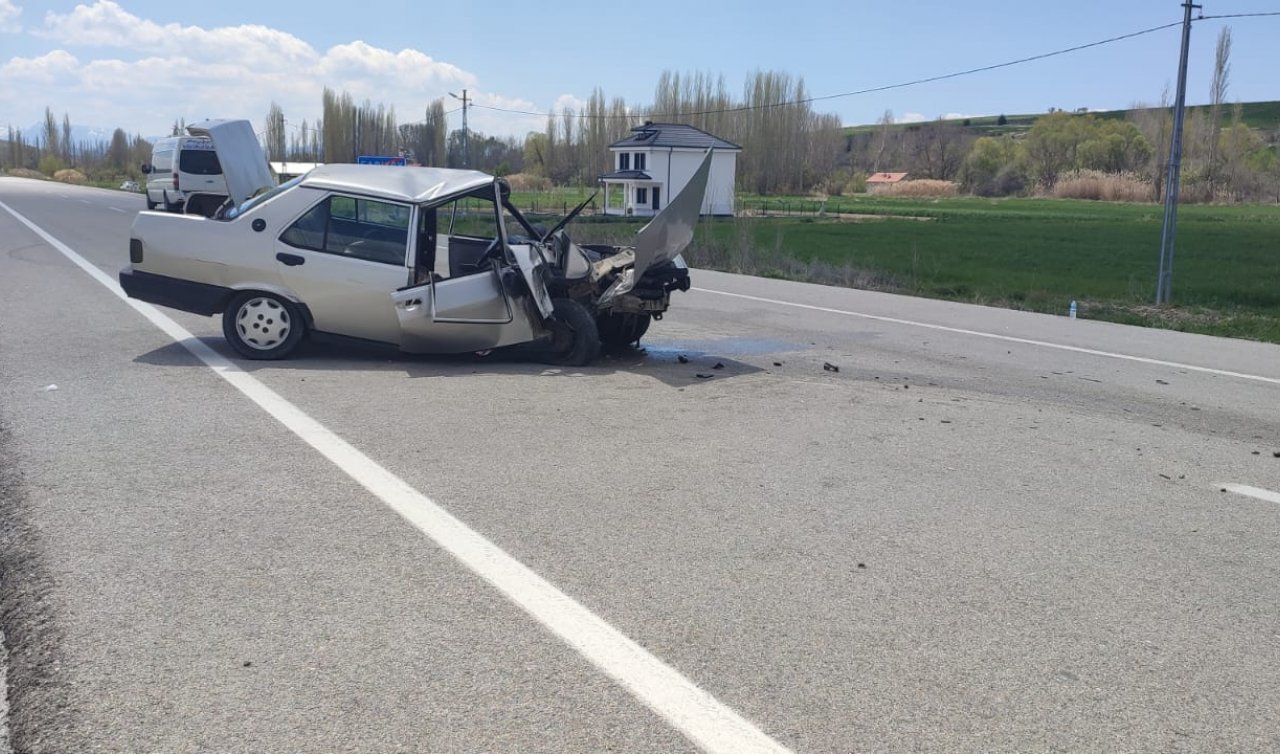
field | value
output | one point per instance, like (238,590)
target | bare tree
(938,149)
(886,125)
(275,133)
(1217,95)
(50,133)
(68,145)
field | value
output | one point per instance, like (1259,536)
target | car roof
(407,184)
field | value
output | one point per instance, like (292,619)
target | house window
(640,160)
(656,203)
(642,195)
(624,161)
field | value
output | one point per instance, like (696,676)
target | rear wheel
(622,329)
(151,204)
(262,325)
(575,341)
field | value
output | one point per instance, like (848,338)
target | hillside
(1260,115)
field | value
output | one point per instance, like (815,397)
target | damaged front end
(625,287)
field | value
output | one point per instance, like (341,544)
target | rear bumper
(184,295)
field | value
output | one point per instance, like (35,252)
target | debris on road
(1166,476)
(831,367)
(1161,382)
(682,359)
(777,363)
(704,376)
(1275,454)
(719,365)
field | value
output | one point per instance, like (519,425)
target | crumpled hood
(667,234)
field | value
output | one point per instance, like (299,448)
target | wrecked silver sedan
(430,260)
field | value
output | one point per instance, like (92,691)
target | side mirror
(145,167)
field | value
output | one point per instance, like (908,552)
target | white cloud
(911,118)
(58,66)
(10,16)
(194,73)
(568,101)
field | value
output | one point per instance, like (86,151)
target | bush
(70,176)
(26,173)
(528,182)
(844,182)
(1103,187)
(919,188)
(50,164)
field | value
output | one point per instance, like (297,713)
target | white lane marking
(1254,492)
(710,724)
(86,201)
(115,209)
(996,336)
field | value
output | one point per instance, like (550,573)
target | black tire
(151,204)
(574,338)
(262,325)
(618,330)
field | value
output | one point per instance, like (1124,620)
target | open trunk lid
(243,163)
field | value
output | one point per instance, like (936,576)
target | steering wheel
(492,251)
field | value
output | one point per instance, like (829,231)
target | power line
(1236,15)
(872,90)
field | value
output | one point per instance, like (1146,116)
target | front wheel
(262,325)
(575,341)
(619,330)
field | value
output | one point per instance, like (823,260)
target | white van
(180,167)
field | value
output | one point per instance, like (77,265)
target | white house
(657,160)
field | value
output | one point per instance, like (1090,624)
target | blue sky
(142,64)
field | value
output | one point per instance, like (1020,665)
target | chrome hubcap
(262,323)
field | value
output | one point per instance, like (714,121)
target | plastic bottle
(1072,311)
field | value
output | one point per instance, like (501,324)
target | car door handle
(293,260)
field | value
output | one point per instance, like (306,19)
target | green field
(1033,254)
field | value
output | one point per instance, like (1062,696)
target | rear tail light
(175,179)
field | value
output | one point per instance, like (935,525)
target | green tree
(118,152)
(1052,144)
(995,166)
(1114,147)
(535,153)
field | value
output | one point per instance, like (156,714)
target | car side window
(349,226)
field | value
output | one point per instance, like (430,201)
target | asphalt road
(988,531)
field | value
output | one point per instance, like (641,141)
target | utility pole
(466,135)
(1173,181)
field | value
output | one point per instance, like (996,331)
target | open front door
(470,313)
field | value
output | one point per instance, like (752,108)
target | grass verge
(1030,254)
